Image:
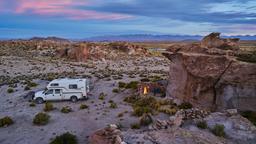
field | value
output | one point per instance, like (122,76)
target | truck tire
(39,100)
(74,99)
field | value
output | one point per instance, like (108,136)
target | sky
(89,18)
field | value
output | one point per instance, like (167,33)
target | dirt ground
(82,123)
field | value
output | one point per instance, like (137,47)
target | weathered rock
(237,128)
(108,135)
(213,40)
(211,80)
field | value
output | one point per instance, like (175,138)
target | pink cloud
(64,8)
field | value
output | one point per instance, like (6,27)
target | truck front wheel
(39,100)
(74,99)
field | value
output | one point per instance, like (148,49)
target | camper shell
(64,89)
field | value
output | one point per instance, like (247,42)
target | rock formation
(210,76)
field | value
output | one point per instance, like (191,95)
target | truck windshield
(45,90)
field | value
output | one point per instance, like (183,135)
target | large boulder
(211,78)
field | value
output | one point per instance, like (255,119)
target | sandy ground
(82,123)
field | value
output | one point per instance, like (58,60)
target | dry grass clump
(6,121)
(41,119)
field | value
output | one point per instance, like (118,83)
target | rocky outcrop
(213,40)
(211,78)
(108,135)
(85,51)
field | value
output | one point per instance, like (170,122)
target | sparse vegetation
(102,96)
(121,84)
(218,130)
(115,90)
(135,126)
(66,138)
(32,104)
(10,90)
(250,115)
(201,124)
(113,105)
(6,121)
(146,119)
(41,119)
(48,107)
(66,109)
(132,85)
(83,106)
(185,105)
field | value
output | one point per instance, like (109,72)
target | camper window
(54,84)
(57,91)
(49,92)
(73,86)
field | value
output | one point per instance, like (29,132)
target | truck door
(49,95)
(57,94)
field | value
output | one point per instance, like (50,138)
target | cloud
(212,11)
(61,8)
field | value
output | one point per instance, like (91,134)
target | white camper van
(64,89)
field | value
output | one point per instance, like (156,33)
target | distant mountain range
(145,38)
(139,38)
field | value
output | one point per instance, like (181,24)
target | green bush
(83,106)
(48,107)
(201,124)
(121,84)
(132,85)
(146,119)
(218,130)
(250,115)
(6,121)
(65,138)
(31,84)
(41,119)
(10,90)
(135,126)
(113,105)
(139,111)
(66,109)
(32,104)
(102,96)
(185,105)
(115,90)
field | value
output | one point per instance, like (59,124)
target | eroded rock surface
(211,78)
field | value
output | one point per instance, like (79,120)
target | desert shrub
(6,121)
(250,115)
(115,90)
(102,96)
(135,126)
(218,130)
(131,99)
(146,119)
(139,111)
(31,84)
(120,115)
(145,80)
(48,107)
(41,119)
(167,110)
(27,88)
(201,124)
(32,104)
(113,105)
(121,84)
(132,85)
(66,138)
(185,105)
(247,56)
(83,106)
(66,109)
(10,90)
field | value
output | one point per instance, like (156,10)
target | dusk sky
(88,18)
